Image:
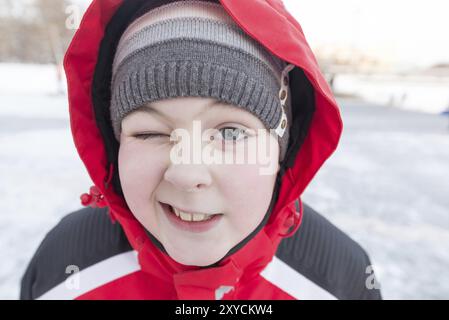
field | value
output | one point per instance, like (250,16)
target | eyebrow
(147,108)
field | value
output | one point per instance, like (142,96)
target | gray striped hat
(194,48)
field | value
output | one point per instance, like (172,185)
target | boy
(166,99)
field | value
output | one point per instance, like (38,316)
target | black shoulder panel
(81,238)
(328,257)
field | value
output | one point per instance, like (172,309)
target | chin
(197,260)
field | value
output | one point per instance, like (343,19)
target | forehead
(190,108)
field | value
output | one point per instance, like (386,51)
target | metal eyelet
(283,95)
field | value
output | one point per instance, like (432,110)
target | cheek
(247,193)
(248,188)
(140,172)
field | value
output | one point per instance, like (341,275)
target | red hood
(285,39)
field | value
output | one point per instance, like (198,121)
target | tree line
(34,31)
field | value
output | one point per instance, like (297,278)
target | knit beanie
(194,48)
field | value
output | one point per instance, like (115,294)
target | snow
(41,173)
(41,178)
(428,94)
(386,185)
(20,79)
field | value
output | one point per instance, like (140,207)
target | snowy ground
(41,178)
(386,186)
(425,93)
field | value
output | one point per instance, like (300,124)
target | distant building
(438,70)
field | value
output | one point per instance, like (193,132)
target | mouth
(190,221)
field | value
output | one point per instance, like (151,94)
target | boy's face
(235,196)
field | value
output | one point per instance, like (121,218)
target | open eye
(232,134)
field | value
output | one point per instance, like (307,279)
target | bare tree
(34,31)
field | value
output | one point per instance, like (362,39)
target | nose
(188,177)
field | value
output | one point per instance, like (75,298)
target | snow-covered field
(423,93)
(41,173)
(386,185)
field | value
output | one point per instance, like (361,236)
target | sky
(407,33)
(412,32)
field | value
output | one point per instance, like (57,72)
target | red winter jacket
(120,261)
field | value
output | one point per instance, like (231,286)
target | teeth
(191,217)
(198,217)
(185,216)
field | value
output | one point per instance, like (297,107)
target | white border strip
(295,284)
(95,276)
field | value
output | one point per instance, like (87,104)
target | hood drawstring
(94,198)
(293,221)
